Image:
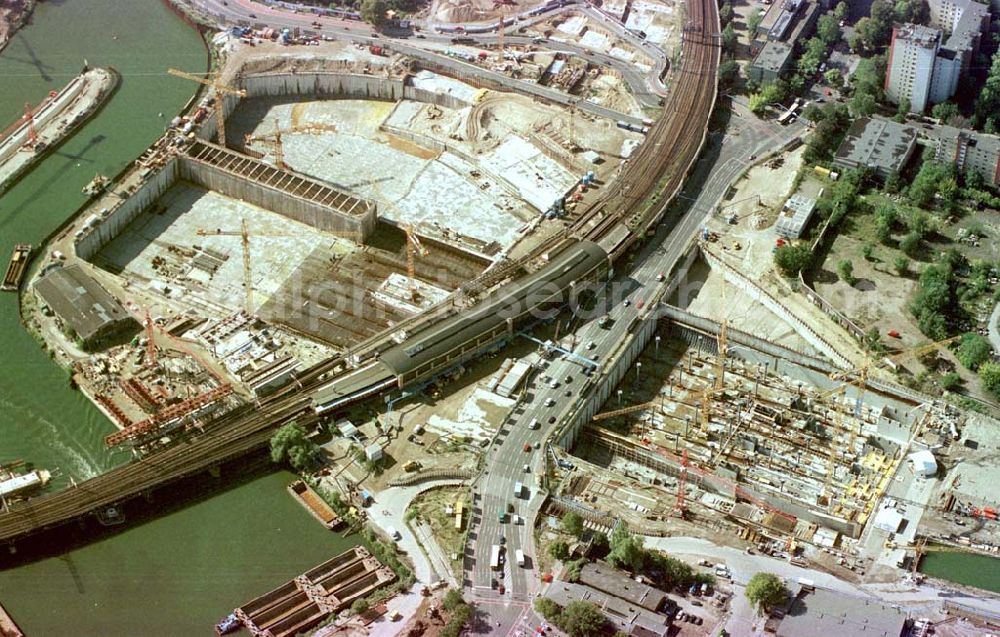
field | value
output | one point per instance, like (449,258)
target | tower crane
(29,115)
(245,235)
(220,91)
(273,138)
(413,248)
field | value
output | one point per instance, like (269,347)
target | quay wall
(117,218)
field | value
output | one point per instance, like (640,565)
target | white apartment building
(912,60)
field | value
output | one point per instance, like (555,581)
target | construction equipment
(413,248)
(150,344)
(273,138)
(29,115)
(244,235)
(221,90)
(680,508)
(626,410)
(722,342)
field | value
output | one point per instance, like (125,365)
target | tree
(572,523)
(973,350)
(559,550)
(548,609)
(726,12)
(753,21)
(945,111)
(766,591)
(626,549)
(828,29)
(867,81)
(359,606)
(873,340)
(989,375)
(729,39)
(840,11)
(452,599)
(582,619)
(868,251)
(792,259)
(290,443)
(845,270)
(373,11)
(901,265)
(934,180)
(832,77)
(729,73)
(600,544)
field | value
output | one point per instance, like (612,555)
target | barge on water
(313,503)
(15,269)
(305,601)
(18,485)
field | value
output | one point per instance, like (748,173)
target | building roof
(952,136)
(80,301)
(918,35)
(795,215)
(773,56)
(629,618)
(969,27)
(888,519)
(823,612)
(877,143)
(923,463)
(608,579)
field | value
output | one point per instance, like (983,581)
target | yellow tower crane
(413,248)
(245,235)
(220,91)
(273,138)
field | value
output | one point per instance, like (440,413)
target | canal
(177,574)
(970,569)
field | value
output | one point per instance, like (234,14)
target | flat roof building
(877,143)
(969,150)
(795,216)
(608,579)
(87,311)
(823,612)
(771,61)
(629,618)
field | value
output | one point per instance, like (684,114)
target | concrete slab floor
(160,250)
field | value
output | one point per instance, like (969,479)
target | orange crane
(29,115)
(626,410)
(273,138)
(221,90)
(150,345)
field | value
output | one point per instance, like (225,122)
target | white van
(533,424)
(394,534)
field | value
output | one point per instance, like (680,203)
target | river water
(178,574)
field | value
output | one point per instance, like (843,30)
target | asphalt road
(747,137)
(237,11)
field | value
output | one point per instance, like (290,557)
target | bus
(495,557)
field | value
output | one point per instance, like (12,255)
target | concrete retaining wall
(115,220)
(307,212)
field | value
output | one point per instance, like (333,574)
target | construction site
(749,439)
(342,203)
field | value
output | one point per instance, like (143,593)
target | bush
(559,550)
(973,350)
(548,609)
(902,265)
(845,270)
(868,251)
(290,443)
(452,600)
(910,245)
(951,381)
(572,524)
(989,375)
(359,606)
(793,259)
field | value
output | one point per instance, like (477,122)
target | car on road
(503,540)
(591,345)
(552,421)
(569,379)
(501,517)
(502,589)
(554,384)
(569,393)
(549,402)
(253,15)
(660,276)
(527,447)
(527,468)
(639,304)
(538,444)
(534,424)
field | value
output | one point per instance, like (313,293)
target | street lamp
(619,396)
(657,341)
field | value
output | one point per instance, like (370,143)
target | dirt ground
(13,15)
(464,11)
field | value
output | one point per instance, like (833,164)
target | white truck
(519,554)
(518,489)
(495,557)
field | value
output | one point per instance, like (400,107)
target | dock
(313,503)
(15,269)
(8,627)
(43,127)
(305,601)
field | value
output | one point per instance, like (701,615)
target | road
(547,401)
(237,11)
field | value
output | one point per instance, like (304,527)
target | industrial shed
(86,309)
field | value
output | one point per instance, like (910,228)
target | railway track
(661,163)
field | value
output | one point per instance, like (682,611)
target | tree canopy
(973,350)
(766,591)
(792,259)
(572,523)
(290,443)
(582,619)
(626,549)
(373,11)
(867,81)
